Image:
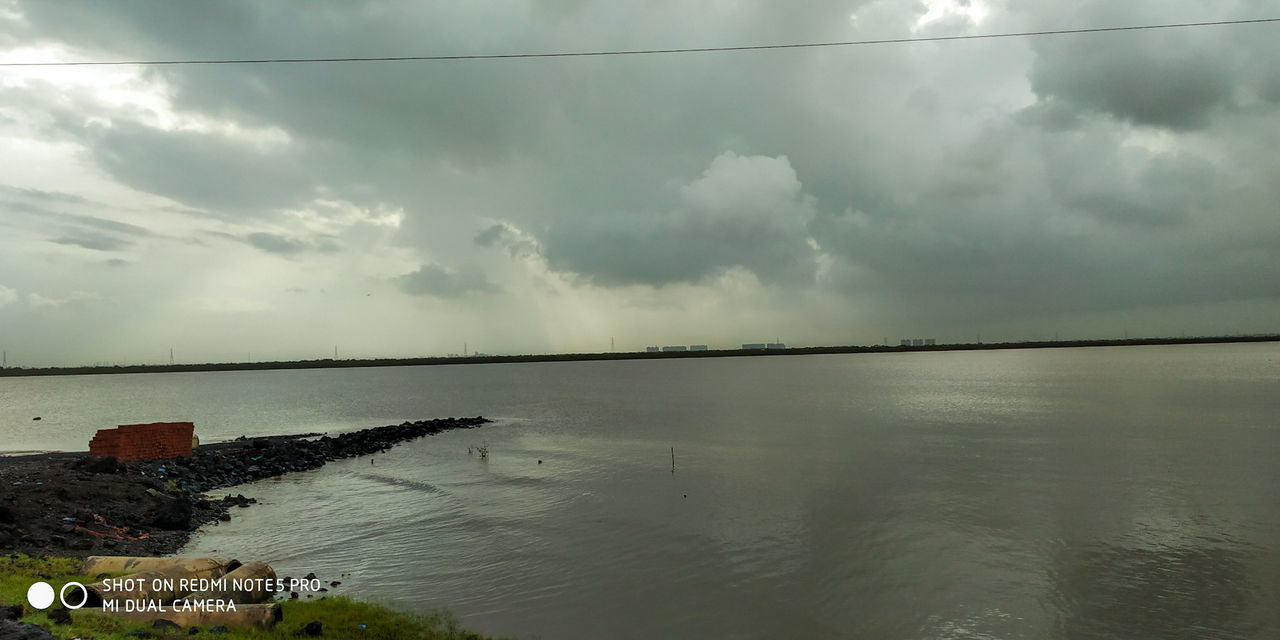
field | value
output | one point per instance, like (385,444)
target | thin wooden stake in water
(673,459)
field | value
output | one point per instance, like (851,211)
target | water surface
(1129,492)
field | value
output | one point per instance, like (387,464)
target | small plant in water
(482,449)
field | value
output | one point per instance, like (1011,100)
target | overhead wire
(635,52)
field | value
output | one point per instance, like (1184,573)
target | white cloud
(39,301)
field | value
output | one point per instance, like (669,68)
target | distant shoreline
(330,363)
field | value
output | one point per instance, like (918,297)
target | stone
(12,630)
(165,625)
(173,516)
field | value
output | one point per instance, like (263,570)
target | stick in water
(673,459)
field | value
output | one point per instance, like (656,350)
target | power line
(637,52)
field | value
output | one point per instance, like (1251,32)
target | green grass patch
(340,616)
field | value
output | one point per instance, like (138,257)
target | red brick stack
(144,441)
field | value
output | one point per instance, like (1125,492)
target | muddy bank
(79,505)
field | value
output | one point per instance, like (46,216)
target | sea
(1075,493)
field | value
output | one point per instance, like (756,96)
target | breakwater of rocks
(248,460)
(81,505)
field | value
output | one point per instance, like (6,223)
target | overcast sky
(1022,188)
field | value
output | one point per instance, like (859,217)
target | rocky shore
(80,505)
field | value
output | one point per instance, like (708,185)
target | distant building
(929,342)
(671,348)
(697,347)
(905,342)
(753,345)
(775,345)
(651,349)
(917,342)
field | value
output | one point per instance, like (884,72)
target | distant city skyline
(1081,186)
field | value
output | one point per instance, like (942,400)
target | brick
(141,441)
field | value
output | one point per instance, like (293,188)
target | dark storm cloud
(275,243)
(463,107)
(205,170)
(626,249)
(113,226)
(43,214)
(56,197)
(435,280)
(1093,177)
(492,235)
(1173,79)
(39,210)
(283,245)
(1145,80)
(745,212)
(503,235)
(94,241)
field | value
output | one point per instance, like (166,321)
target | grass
(340,616)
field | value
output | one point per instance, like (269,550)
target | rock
(165,625)
(138,634)
(220,629)
(313,629)
(11,630)
(60,615)
(12,612)
(7,514)
(173,516)
(100,464)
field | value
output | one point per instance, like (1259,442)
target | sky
(1077,186)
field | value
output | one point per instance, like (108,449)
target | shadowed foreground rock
(13,630)
(83,505)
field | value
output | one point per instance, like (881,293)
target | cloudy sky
(1020,188)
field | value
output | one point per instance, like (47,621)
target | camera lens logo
(40,595)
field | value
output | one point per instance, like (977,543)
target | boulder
(174,515)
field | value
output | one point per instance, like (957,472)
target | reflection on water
(1193,590)
(1122,493)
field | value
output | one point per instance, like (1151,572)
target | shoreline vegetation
(332,363)
(336,617)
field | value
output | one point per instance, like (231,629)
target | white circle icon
(40,595)
(84,594)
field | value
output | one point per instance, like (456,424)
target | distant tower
(170,356)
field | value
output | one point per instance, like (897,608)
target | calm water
(1086,493)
